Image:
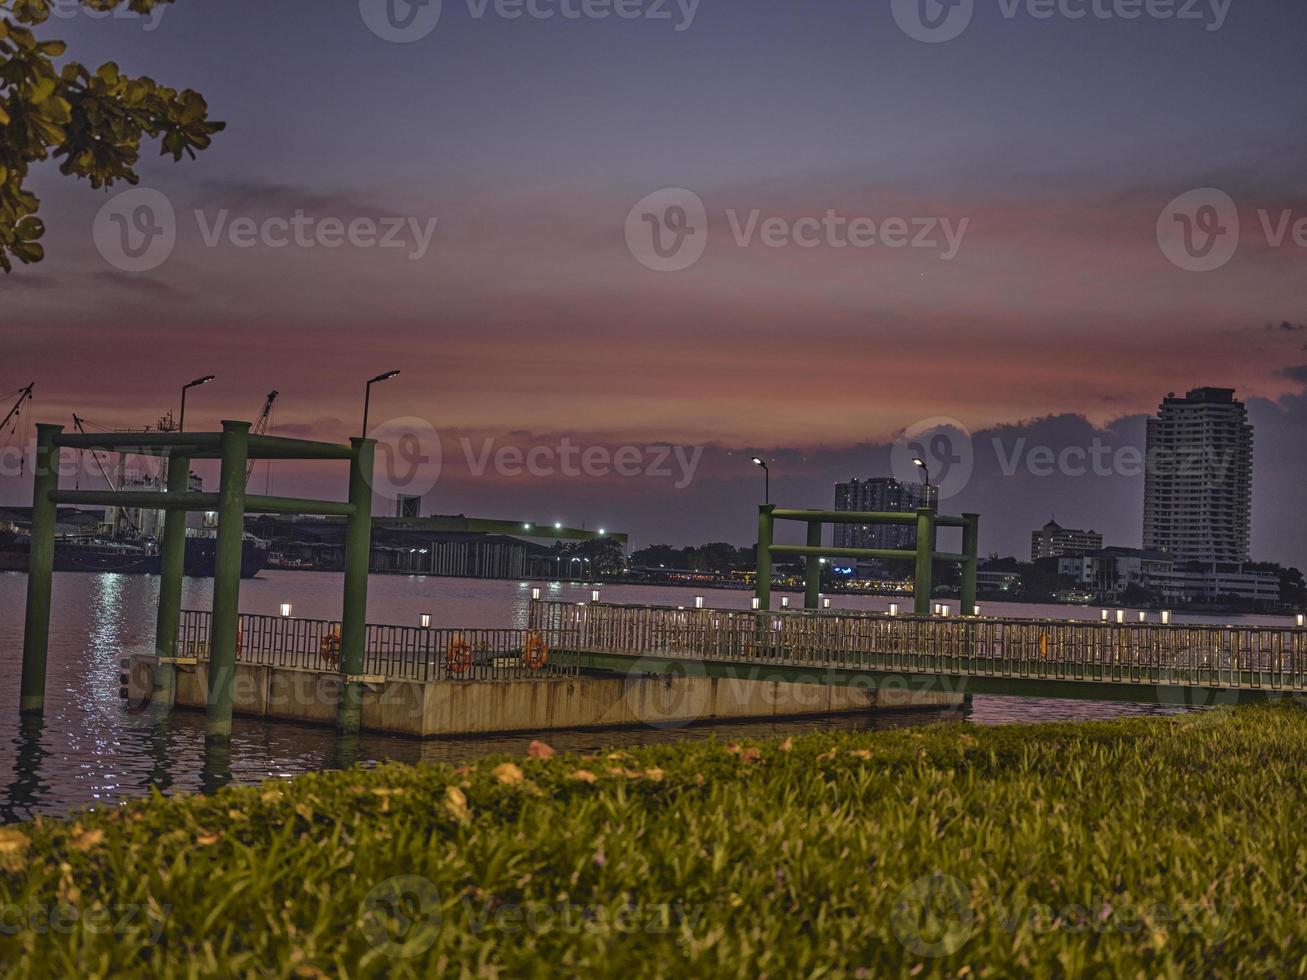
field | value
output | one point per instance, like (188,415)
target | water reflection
(95,750)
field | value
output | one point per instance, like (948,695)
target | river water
(89,751)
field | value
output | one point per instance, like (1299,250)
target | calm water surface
(90,751)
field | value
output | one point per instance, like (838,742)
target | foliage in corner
(92,121)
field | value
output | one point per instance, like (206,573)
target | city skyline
(527,320)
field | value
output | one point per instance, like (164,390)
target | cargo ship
(136,558)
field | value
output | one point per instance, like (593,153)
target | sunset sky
(1056,143)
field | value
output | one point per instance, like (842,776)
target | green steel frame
(234,446)
(927,522)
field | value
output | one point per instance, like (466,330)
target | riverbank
(1140,847)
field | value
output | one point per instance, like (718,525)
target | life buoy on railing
(535,653)
(1043,645)
(458,656)
(330,647)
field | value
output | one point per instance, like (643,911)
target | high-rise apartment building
(879,495)
(1199,477)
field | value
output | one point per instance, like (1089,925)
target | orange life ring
(458,657)
(330,647)
(535,654)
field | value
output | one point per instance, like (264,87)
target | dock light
(425,621)
(698,602)
(975,609)
(1104,616)
(785,602)
(825,603)
(766,479)
(1301,620)
(594,595)
(1166,617)
(1143,617)
(757,603)
(558,525)
(181,420)
(1120,615)
(526,527)
(602,532)
(943,610)
(535,594)
(893,608)
(285,610)
(367,396)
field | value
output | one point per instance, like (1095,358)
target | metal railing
(401,652)
(1138,653)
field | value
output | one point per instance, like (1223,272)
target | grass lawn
(1146,848)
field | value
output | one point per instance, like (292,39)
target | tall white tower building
(1199,478)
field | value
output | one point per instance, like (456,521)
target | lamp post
(766,479)
(181,421)
(367,396)
(925,470)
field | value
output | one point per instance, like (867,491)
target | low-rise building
(1055,541)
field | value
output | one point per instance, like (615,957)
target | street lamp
(367,396)
(918,461)
(181,421)
(766,479)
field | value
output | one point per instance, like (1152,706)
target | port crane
(260,427)
(23,396)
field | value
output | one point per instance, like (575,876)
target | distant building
(408,506)
(879,495)
(1111,571)
(1198,481)
(996,580)
(1055,541)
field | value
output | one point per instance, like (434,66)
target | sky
(863,223)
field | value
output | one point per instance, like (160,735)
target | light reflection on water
(89,750)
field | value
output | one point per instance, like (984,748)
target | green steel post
(40,570)
(354,615)
(812,569)
(172,566)
(225,623)
(924,587)
(970,548)
(762,588)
